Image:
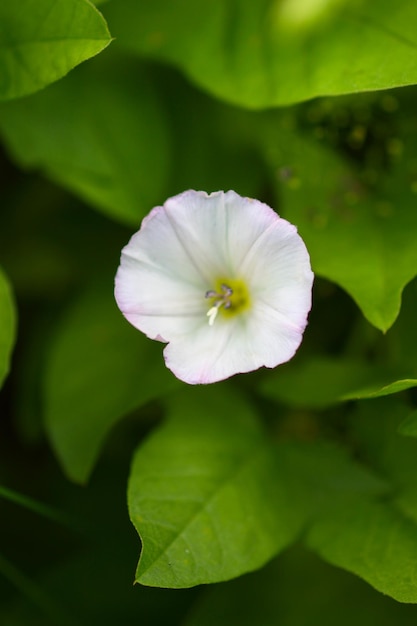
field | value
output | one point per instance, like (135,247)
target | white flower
(222,279)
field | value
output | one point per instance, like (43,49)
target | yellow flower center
(230,297)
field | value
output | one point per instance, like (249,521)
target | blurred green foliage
(317,456)
(274,52)
(7,325)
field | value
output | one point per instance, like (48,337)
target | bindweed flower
(223,280)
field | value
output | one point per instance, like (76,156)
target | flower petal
(261,339)
(160,306)
(218,229)
(182,251)
(212,354)
(279,272)
(159,287)
(248,222)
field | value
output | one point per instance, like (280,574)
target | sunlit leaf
(266,53)
(100,133)
(41,40)
(205,495)
(212,498)
(7,326)
(99,369)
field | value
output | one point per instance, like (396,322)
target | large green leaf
(361,236)
(41,40)
(99,369)
(270,52)
(377,541)
(211,497)
(7,326)
(100,132)
(205,496)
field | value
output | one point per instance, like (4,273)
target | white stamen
(222,299)
(212,314)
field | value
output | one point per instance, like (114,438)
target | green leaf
(320,382)
(7,326)
(317,382)
(409,426)
(377,391)
(322,476)
(375,428)
(99,133)
(262,54)
(99,369)
(205,496)
(360,236)
(402,338)
(42,40)
(377,541)
(212,498)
